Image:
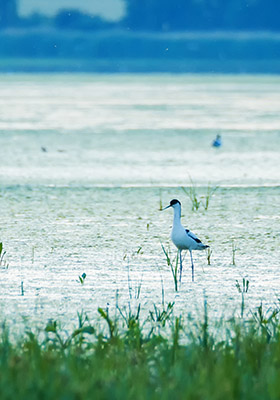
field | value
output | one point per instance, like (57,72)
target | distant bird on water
(183,238)
(217,142)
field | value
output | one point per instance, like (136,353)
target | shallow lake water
(86,162)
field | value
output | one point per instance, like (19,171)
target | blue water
(86,162)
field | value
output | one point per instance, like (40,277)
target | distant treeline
(174,15)
(154,36)
(122,51)
(160,16)
(122,44)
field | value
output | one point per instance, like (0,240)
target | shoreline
(150,66)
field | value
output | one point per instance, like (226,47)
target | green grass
(199,200)
(174,268)
(3,261)
(161,357)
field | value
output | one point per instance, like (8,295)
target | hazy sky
(110,9)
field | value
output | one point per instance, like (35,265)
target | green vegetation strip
(161,358)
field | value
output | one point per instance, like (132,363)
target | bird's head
(174,204)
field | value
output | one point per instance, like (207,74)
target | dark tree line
(172,15)
(74,19)
(162,15)
(8,13)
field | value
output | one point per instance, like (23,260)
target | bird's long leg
(181,264)
(192,266)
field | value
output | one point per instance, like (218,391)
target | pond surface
(87,161)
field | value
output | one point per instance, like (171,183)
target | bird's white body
(183,238)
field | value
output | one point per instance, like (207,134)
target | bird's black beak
(166,207)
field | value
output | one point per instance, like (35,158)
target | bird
(183,238)
(217,142)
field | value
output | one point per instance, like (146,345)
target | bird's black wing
(192,235)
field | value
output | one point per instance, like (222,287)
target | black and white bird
(183,238)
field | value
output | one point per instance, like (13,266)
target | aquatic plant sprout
(201,199)
(3,257)
(174,268)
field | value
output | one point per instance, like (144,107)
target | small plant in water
(33,254)
(77,337)
(210,192)
(160,202)
(208,255)
(139,250)
(82,278)
(112,326)
(132,311)
(268,321)
(174,269)
(242,290)
(197,200)
(136,289)
(3,261)
(234,250)
(192,194)
(162,315)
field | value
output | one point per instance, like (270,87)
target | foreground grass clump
(161,360)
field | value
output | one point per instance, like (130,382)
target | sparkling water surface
(87,161)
